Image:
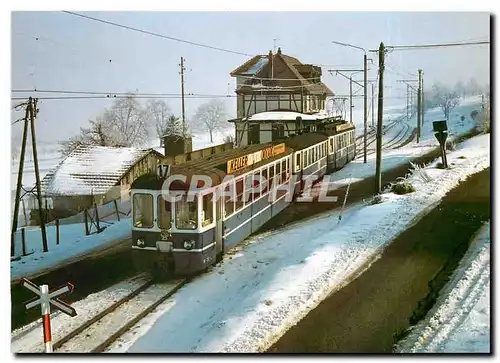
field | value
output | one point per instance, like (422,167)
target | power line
(430,46)
(123,96)
(130,94)
(156,34)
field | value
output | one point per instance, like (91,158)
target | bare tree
(445,99)
(211,115)
(162,118)
(128,122)
(124,124)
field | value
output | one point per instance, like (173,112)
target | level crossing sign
(45,298)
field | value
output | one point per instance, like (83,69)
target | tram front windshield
(143,210)
(186,213)
(164,213)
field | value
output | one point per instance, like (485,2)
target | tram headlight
(140,242)
(188,244)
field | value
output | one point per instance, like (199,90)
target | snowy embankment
(73,246)
(268,285)
(460,320)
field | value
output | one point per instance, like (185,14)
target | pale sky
(73,53)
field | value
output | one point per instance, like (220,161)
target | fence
(94,220)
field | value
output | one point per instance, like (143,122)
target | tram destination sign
(242,162)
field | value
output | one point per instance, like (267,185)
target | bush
(419,172)
(402,188)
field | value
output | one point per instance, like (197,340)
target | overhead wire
(155,34)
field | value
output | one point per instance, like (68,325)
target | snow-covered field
(460,320)
(357,169)
(266,286)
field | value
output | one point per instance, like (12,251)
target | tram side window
(229,197)
(284,171)
(297,162)
(164,213)
(207,212)
(239,194)
(271,176)
(248,189)
(331,145)
(256,184)
(265,187)
(186,212)
(143,210)
(278,173)
(310,156)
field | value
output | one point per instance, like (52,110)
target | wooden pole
(23,241)
(380,113)
(419,105)
(350,99)
(365,87)
(97,218)
(19,181)
(116,209)
(24,212)
(182,99)
(57,231)
(86,222)
(33,111)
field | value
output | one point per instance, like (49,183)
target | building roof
(91,170)
(256,64)
(285,116)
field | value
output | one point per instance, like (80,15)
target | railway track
(371,137)
(98,332)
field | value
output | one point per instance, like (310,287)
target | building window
(278,130)
(253,134)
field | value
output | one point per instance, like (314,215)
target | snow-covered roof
(91,170)
(285,116)
(256,66)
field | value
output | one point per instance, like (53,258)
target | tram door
(219,243)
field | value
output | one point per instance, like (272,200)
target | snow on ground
(29,338)
(269,284)
(460,320)
(73,244)
(391,158)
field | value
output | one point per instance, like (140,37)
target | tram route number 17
(163,170)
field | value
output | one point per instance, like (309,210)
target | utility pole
(182,98)
(19,182)
(419,105)
(378,171)
(33,112)
(365,93)
(422,99)
(350,99)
